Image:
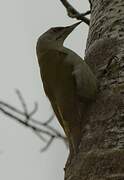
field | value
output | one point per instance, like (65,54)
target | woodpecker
(68,82)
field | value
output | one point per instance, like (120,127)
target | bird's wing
(85,81)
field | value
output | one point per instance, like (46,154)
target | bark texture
(101,151)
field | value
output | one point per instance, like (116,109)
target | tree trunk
(101,152)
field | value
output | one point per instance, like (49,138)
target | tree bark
(101,151)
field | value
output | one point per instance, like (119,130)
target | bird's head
(54,37)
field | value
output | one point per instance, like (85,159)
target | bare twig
(40,136)
(35,109)
(48,144)
(49,120)
(11,108)
(73,13)
(32,120)
(25,123)
(44,131)
(24,106)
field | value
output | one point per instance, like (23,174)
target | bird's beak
(69,29)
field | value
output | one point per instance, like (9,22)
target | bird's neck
(50,48)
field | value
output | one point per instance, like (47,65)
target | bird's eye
(57,29)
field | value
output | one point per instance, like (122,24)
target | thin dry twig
(49,120)
(48,144)
(23,103)
(35,109)
(73,13)
(44,131)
